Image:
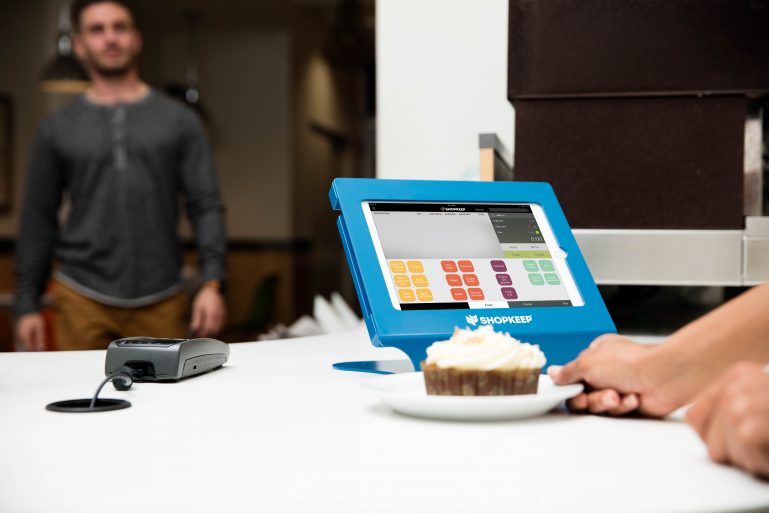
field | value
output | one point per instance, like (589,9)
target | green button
(536,279)
(552,279)
(530,265)
(546,265)
(527,254)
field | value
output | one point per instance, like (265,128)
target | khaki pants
(82,323)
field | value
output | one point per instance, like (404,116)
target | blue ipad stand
(561,331)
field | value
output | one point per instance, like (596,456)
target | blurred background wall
(442,72)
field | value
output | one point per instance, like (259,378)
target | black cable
(125,374)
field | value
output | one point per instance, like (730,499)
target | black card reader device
(165,359)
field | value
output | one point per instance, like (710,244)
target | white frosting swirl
(484,349)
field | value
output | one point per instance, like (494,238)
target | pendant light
(64,74)
(188,92)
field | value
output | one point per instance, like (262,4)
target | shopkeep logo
(453,209)
(498,319)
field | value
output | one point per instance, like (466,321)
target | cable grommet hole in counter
(84,405)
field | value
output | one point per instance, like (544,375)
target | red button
(476,294)
(466,266)
(453,280)
(459,294)
(449,266)
(471,280)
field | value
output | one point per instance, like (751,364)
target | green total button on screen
(536,279)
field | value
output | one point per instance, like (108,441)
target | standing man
(123,154)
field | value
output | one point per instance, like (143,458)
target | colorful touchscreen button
(466,266)
(424,294)
(476,294)
(459,294)
(546,265)
(401,280)
(449,266)
(498,266)
(439,255)
(471,280)
(415,266)
(454,280)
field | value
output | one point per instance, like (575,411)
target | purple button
(504,279)
(498,266)
(509,293)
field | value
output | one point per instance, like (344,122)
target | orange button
(397,266)
(415,266)
(449,266)
(453,280)
(402,280)
(466,266)
(476,294)
(459,294)
(471,280)
(406,295)
(425,294)
(420,280)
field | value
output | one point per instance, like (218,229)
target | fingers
(699,415)
(715,436)
(38,338)
(212,323)
(751,448)
(30,344)
(606,368)
(207,319)
(602,401)
(195,323)
(208,313)
(628,404)
(31,332)
(578,403)
(606,401)
(567,374)
(732,418)
(575,371)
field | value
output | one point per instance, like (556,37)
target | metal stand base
(377,366)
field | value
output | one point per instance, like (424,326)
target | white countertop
(278,430)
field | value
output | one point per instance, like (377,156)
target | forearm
(34,251)
(203,202)
(208,226)
(39,225)
(700,351)
(30,284)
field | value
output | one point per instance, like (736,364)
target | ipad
(440,256)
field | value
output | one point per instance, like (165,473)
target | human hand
(30,329)
(208,312)
(620,376)
(732,418)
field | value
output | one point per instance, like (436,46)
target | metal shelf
(678,257)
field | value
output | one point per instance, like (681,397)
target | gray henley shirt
(123,168)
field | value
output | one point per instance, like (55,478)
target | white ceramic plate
(405,393)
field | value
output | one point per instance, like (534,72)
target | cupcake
(482,362)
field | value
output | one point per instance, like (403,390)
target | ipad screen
(466,255)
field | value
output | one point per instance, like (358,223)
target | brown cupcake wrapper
(474,382)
